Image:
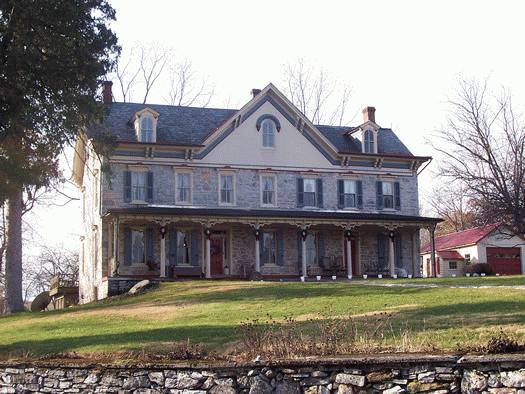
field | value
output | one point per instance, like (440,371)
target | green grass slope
(210,313)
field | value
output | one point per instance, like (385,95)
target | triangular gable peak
(142,112)
(288,110)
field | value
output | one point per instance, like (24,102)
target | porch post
(257,250)
(348,234)
(114,269)
(415,255)
(433,251)
(207,232)
(391,255)
(304,234)
(163,252)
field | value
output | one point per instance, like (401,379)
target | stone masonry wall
(247,189)
(373,374)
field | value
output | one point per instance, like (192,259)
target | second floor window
(138,186)
(268,133)
(349,194)
(226,189)
(388,195)
(184,188)
(309,193)
(268,190)
(146,129)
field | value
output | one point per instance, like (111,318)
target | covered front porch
(169,243)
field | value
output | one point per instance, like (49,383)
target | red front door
(217,253)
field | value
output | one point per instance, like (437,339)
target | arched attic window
(369,142)
(146,129)
(268,133)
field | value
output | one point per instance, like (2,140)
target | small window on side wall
(268,133)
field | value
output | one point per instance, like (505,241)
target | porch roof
(273,213)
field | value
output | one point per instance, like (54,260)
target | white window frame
(374,141)
(275,251)
(261,183)
(145,174)
(354,181)
(190,174)
(273,135)
(144,246)
(189,235)
(305,179)
(233,202)
(139,117)
(393,186)
(450,268)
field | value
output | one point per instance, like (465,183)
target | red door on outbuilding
(506,261)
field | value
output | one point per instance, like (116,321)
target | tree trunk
(13,264)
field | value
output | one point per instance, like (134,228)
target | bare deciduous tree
(140,70)
(152,64)
(483,146)
(51,262)
(319,98)
(126,75)
(185,90)
(452,205)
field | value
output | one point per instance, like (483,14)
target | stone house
(493,244)
(221,193)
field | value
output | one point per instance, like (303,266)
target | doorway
(218,252)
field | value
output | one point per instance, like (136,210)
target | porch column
(391,255)
(163,252)
(432,230)
(348,234)
(257,250)
(207,232)
(114,269)
(416,271)
(304,234)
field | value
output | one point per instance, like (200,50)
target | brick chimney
(255,92)
(107,93)
(369,114)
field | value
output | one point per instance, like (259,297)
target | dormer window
(268,133)
(146,129)
(145,125)
(369,142)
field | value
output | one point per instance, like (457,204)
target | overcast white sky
(403,57)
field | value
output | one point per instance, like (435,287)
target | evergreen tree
(54,55)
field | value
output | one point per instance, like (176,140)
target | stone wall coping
(363,360)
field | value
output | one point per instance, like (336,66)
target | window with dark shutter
(319,194)
(300,192)
(149,187)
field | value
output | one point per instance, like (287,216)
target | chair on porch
(334,265)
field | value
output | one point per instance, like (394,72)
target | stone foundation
(378,374)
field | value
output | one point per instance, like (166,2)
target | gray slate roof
(387,140)
(191,125)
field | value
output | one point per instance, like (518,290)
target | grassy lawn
(518,280)
(210,312)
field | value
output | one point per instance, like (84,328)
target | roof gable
(270,94)
(462,238)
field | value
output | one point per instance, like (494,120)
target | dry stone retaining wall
(387,375)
